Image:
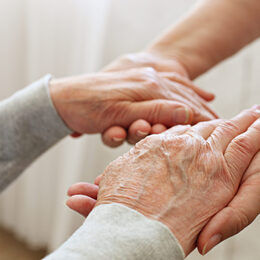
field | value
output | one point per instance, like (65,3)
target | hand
(238,214)
(184,176)
(193,95)
(93,103)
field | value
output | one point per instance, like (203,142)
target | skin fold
(185,177)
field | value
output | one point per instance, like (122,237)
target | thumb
(240,212)
(166,112)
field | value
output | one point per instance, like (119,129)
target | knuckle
(243,145)
(242,220)
(127,57)
(153,83)
(229,126)
(256,128)
(149,72)
(238,219)
(155,140)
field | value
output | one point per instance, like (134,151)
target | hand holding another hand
(193,96)
(187,178)
(94,103)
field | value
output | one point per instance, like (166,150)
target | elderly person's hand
(93,103)
(184,176)
(193,96)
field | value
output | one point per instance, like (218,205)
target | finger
(138,130)
(98,179)
(205,129)
(228,130)
(166,112)
(202,111)
(204,107)
(242,149)
(83,188)
(240,212)
(158,128)
(81,204)
(76,135)
(114,136)
(184,81)
(231,220)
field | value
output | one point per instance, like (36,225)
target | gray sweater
(29,125)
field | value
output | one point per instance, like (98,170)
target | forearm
(116,232)
(210,33)
(29,126)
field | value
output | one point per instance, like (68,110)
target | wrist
(60,94)
(194,62)
(180,230)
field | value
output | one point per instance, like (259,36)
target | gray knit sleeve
(115,232)
(29,125)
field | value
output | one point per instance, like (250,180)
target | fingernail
(181,116)
(117,139)
(141,133)
(213,241)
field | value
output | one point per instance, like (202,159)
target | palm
(240,212)
(196,168)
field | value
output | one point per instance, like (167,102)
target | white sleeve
(115,232)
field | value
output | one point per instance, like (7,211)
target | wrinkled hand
(93,103)
(193,96)
(184,176)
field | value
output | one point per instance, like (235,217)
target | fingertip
(71,189)
(211,97)
(202,244)
(98,179)
(138,130)
(158,128)
(207,96)
(76,135)
(70,203)
(81,204)
(114,136)
(83,188)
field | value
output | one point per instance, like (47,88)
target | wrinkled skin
(239,213)
(193,96)
(93,103)
(185,177)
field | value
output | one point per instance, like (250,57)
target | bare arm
(210,33)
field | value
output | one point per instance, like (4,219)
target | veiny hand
(186,175)
(93,103)
(194,96)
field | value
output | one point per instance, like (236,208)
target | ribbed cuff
(116,232)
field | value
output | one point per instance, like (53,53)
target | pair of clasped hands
(198,175)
